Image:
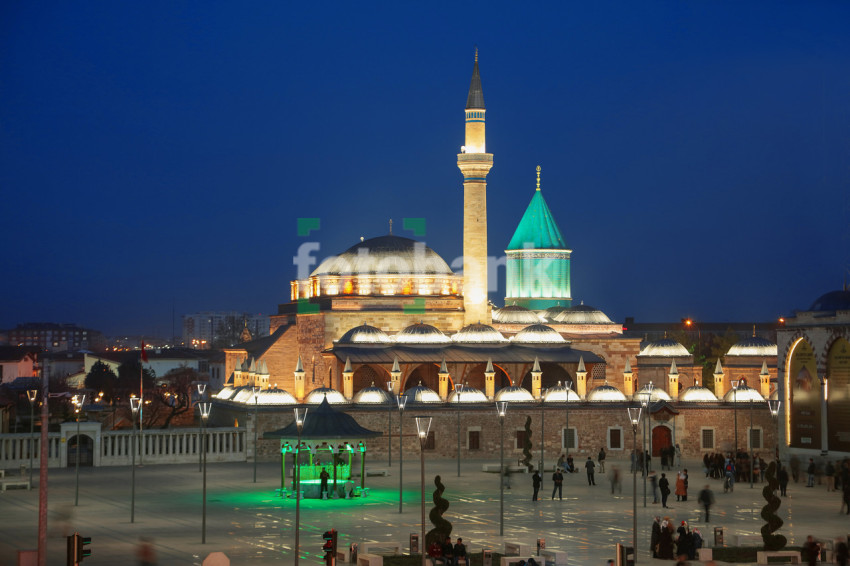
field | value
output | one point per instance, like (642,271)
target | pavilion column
(490,380)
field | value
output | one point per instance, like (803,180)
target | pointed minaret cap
(347,368)
(299,366)
(489,368)
(628,368)
(718,369)
(396,368)
(764,368)
(581,365)
(475,100)
(536,364)
(673,370)
(443,368)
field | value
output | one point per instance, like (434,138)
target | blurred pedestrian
(145,552)
(706,499)
(536,481)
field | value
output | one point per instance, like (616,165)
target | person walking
(783,481)
(590,467)
(653,482)
(812,550)
(810,470)
(685,483)
(615,480)
(536,481)
(653,539)
(558,480)
(601,459)
(830,476)
(664,487)
(706,499)
(680,486)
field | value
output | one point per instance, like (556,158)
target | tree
(442,527)
(102,378)
(768,512)
(172,396)
(526,447)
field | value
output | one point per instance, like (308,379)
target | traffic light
(330,547)
(82,551)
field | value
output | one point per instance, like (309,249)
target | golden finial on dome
(476,53)
(538,177)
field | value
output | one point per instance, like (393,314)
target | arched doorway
(552,375)
(425,374)
(662,437)
(475,377)
(84,448)
(366,376)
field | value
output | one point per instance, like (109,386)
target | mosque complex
(388,317)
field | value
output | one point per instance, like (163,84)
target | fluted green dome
(537,229)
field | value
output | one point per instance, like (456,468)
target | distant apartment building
(54,337)
(222,328)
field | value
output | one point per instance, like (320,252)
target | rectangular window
(615,438)
(430,443)
(569,441)
(707,439)
(520,439)
(473,440)
(755,439)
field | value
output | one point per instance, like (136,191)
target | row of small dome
(420,394)
(579,314)
(478,334)
(751,346)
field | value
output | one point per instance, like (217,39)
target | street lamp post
(79,400)
(568,386)
(300,416)
(645,398)
(773,405)
(750,441)
(390,424)
(402,401)
(458,391)
(735,384)
(423,425)
(542,432)
(32,395)
(134,410)
(502,408)
(202,387)
(634,418)
(205,413)
(256,393)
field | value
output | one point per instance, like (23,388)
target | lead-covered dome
(753,346)
(744,394)
(515,314)
(275,397)
(559,393)
(372,396)
(666,347)
(421,394)
(832,301)
(538,334)
(468,395)
(385,255)
(605,393)
(697,394)
(421,333)
(365,334)
(582,314)
(515,394)
(478,334)
(657,394)
(317,395)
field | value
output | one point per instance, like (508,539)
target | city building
(207,329)
(53,337)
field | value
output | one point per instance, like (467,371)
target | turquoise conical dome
(537,230)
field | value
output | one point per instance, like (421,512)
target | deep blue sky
(695,154)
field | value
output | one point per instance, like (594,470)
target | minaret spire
(474,163)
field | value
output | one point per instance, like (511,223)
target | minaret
(474,163)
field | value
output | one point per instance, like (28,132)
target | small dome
(373,396)
(753,346)
(549,314)
(538,334)
(697,394)
(317,395)
(515,314)
(583,314)
(226,393)
(385,255)
(243,395)
(557,395)
(515,394)
(658,394)
(832,301)
(744,394)
(605,393)
(421,334)
(275,397)
(365,334)
(666,348)
(468,395)
(421,394)
(479,334)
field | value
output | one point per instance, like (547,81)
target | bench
(517,549)
(370,560)
(365,547)
(792,556)
(554,557)
(16,482)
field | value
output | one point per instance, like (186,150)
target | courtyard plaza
(251,524)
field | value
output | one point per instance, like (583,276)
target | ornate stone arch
(366,375)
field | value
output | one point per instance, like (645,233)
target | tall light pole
(423,425)
(134,410)
(501,408)
(300,416)
(750,442)
(79,400)
(735,384)
(202,388)
(634,418)
(542,432)
(390,424)
(402,401)
(568,386)
(458,391)
(645,397)
(32,395)
(773,405)
(256,393)
(205,409)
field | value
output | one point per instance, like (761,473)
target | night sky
(157,155)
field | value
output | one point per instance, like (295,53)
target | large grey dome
(832,301)
(385,255)
(421,334)
(365,334)
(665,347)
(479,334)
(538,334)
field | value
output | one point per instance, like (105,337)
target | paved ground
(252,525)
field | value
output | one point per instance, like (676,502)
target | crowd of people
(668,542)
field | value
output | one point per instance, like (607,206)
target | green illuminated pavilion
(538,260)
